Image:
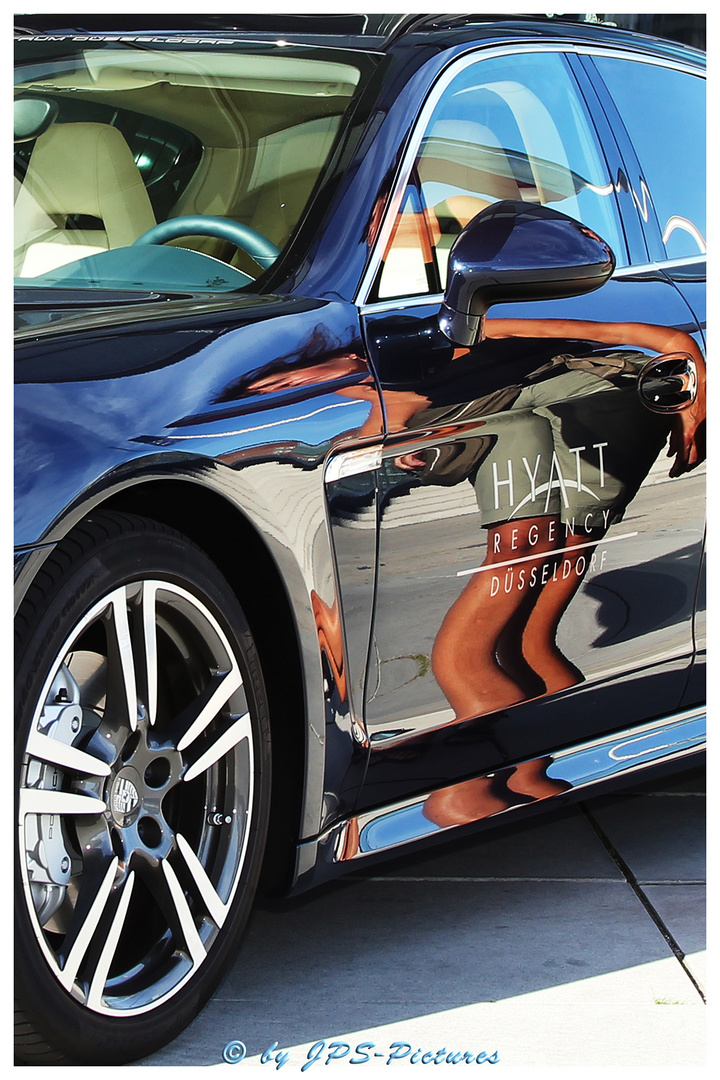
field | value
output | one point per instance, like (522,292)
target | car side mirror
(517,251)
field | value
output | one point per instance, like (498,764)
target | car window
(221,147)
(664,113)
(511,127)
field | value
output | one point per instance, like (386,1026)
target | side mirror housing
(517,251)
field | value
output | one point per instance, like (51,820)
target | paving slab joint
(642,897)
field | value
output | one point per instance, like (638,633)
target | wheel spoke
(149,624)
(92,905)
(66,757)
(216,908)
(207,706)
(41,801)
(97,984)
(121,661)
(239,729)
(137,784)
(182,915)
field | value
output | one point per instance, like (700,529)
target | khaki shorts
(576,446)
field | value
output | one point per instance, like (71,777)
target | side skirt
(611,757)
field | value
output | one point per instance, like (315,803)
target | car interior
(127,139)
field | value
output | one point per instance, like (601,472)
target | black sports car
(360,403)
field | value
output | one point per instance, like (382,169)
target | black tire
(143,776)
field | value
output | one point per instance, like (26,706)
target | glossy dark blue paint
(645,582)
(513,251)
(101,413)
(114,397)
(361,561)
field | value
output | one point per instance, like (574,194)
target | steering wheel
(257,246)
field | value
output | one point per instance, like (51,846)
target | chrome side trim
(399,303)
(664,264)
(575,768)
(475,55)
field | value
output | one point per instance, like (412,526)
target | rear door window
(663,110)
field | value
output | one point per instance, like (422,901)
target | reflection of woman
(399,406)
(585,446)
(473,800)
(497,646)
(687,434)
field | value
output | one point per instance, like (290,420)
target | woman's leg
(464,657)
(539,643)
(469,801)
(530,778)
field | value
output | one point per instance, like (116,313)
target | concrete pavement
(575,938)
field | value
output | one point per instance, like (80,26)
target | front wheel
(143,779)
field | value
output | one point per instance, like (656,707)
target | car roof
(372,32)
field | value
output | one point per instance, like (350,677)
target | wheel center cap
(125,801)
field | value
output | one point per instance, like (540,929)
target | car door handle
(668,383)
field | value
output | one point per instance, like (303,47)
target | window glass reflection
(506,128)
(664,113)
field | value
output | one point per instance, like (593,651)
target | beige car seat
(85,169)
(465,162)
(468,156)
(301,157)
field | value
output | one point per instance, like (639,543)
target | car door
(538,549)
(644,97)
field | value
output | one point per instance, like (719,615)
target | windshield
(146,165)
